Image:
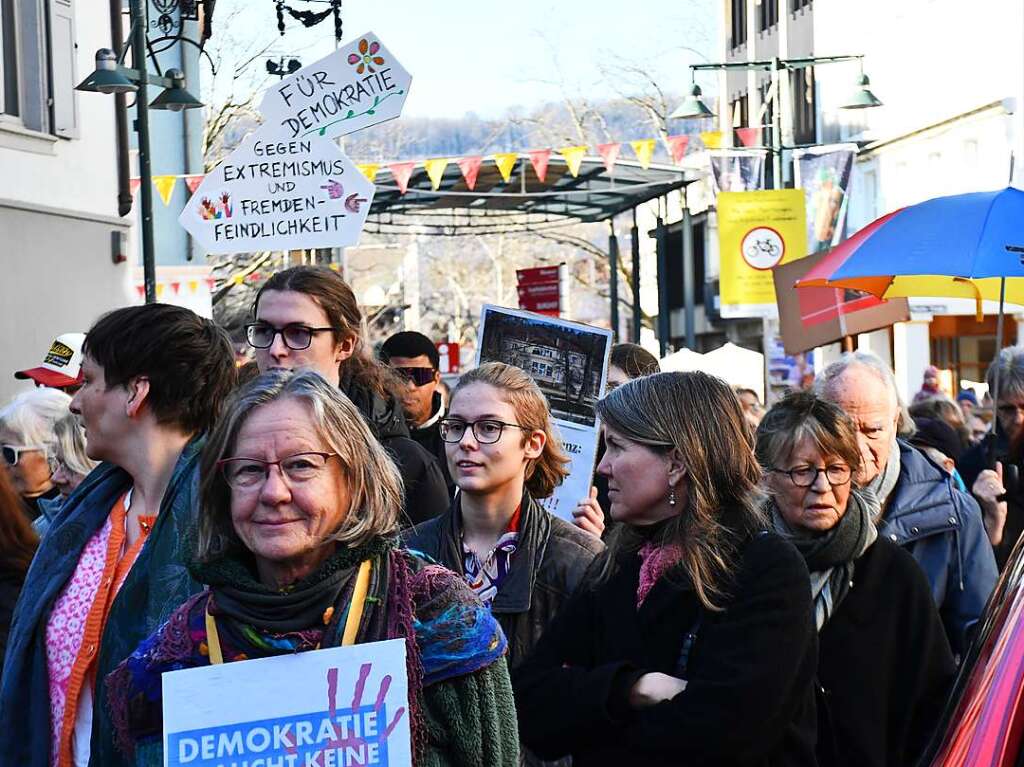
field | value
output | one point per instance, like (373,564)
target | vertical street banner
(324,708)
(757,231)
(824,175)
(569,362)
(737,170)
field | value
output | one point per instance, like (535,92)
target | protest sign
(569,361)
(757,231)
(326,708)
(359,85)
(274,194)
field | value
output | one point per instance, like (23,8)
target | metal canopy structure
(523,203)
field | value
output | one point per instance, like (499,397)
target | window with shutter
(9,96)
(63,99)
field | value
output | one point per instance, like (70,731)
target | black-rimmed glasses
(805,476)
(487,431)
(297,337)
(247,473)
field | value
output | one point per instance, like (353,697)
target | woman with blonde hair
(69,464)
(296,545)
(694,641)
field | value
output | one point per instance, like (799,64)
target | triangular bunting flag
(334,267)
(133,185)
(369,170)
(609,153)
(402,171)
(677,147)
(141,290)
(573,156)
(210,282)
(712,139)
(165,186)
(176,287)
(644,150)
(160,287)
(539,160)
(193,182)
(435,170)
(470,167)
(749,136)
(505,162)
(193,286)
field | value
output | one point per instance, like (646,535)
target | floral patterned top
(485,575)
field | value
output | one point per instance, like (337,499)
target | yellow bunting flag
(369,170)
(505,162)
(238,279)
(573,156)
(712,139)
(160,290)
(334,267)
(644,150)
(435,171)
(193,285)
(165,186)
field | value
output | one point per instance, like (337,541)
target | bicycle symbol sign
(762,248)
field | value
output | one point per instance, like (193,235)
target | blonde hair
(374,484)
(32,414)
(69,445)
(546,472)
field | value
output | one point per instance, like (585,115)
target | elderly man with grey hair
(986,465)
(921,508)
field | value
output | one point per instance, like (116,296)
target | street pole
(634,235)
(686,236)
(613,278)
(138,25)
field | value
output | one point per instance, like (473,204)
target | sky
(490,56)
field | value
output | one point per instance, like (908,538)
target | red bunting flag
(677,147)
(210,282)
(402,171)
(609,153)
(175,286)
(141,290)
(133,185)
(749,136)
(193,182)
(539,160)
(470,167)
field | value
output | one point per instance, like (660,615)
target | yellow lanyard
(348,637)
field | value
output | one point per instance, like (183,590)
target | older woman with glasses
(884,663)
(26,439)
(297,525)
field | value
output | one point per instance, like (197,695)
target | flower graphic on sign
(210,210)
(366,58)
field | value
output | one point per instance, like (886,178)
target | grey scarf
(883,485)
(830,556)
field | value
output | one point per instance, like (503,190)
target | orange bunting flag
(712,139)
(402,171)
(644,150)
(369,170)
(749,136)
(165,186)
(435,170)
(470,167)
(539,160)
(609,153)
(505,162)
(677,147)
(133,185)
(573,156)
(193,182)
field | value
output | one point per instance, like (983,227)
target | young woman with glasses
(504,457)
(308,317)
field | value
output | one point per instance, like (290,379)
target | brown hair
(335,297)
(699,417)
(805,415)
(944,409)
(633,360)
(545,473)
(18,540)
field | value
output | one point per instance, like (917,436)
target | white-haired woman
(26,439)
(296,544)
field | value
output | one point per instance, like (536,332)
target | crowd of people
(793,586)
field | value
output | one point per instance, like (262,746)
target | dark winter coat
(943,529)
(884,665)
(10,587)
(976,460)
(750,669)
(429,438)
(550,561)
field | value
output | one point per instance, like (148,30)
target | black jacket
(426,495)
(550,561)
(884,665)
(11,582)
(972,463)
(429,438)
(750,670)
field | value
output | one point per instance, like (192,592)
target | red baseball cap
(62,365)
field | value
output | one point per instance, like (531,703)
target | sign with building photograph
(569,361)
(757,231)
(339,706)
(359,85)
(274,194)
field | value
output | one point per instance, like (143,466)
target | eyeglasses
(248,473)
(12,453)
(487,431)
(260,335)
(419,376)
(805,476)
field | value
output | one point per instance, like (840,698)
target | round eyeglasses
(260,335)
(247,473)
(805,476)
(486,431)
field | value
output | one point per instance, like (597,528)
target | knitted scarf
(830,556)
(883,485)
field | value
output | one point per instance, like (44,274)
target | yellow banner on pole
(506,161)
(644,150)
(165,186)
(573,156)
(757,231)
(435,170)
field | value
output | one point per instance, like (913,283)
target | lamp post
(111,77)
